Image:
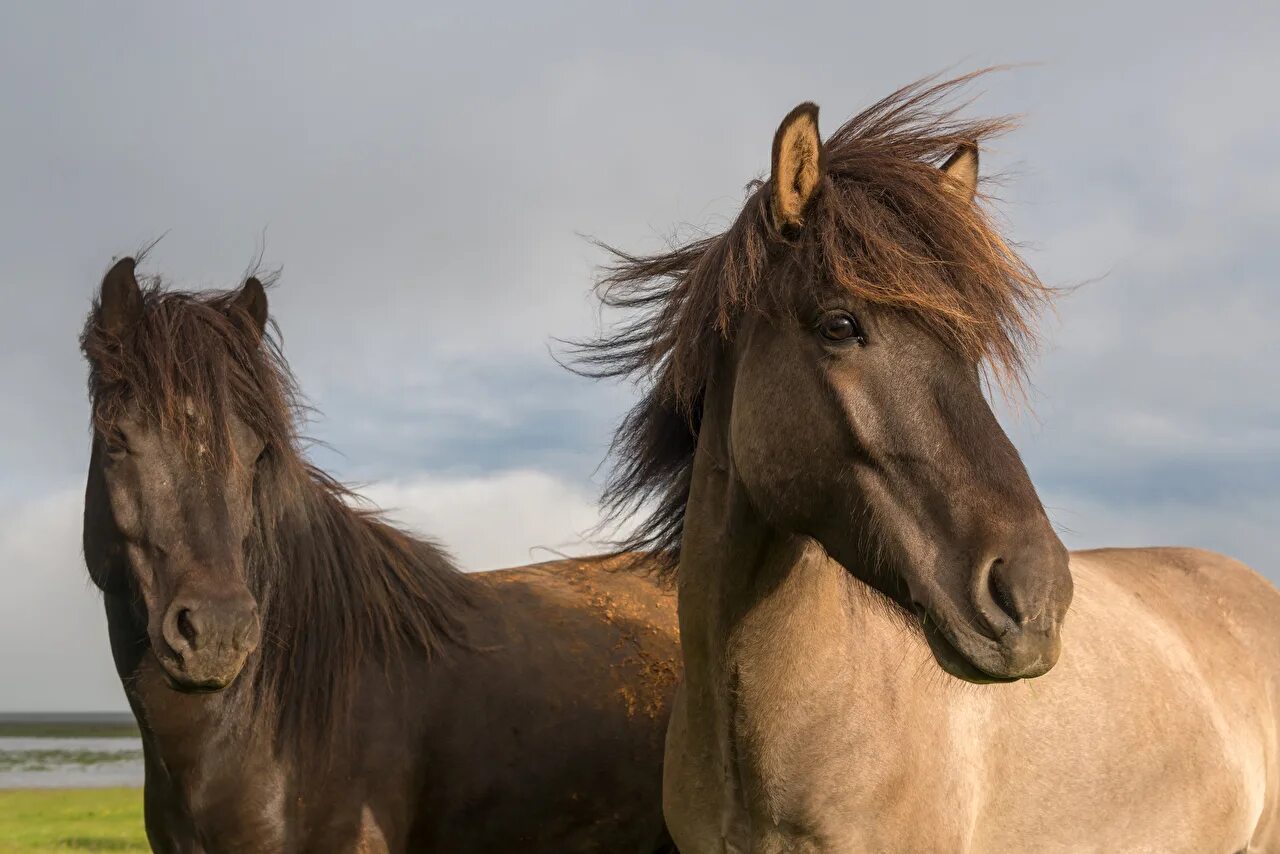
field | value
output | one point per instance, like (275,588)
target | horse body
(570,707)
(813,717)
(546,735)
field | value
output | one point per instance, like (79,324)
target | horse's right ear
(798,163)
(120,303)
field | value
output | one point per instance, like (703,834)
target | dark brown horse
(309,678)
(868,582)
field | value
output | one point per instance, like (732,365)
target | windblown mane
(883,225)
(337,587)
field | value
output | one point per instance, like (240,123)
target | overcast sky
(423,179)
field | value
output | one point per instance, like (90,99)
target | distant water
(49,763)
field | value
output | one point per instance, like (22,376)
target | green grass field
(71,820)
(13,726)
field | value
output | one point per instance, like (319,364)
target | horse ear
(252,300)
(120,301)
(798,165)
(961,172)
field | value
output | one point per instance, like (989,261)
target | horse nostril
(187,628)
(1001,595)
(996,599)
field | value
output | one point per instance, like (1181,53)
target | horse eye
(116,445)
(840,326)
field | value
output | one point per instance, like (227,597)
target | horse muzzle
(205,640)
(1009,626)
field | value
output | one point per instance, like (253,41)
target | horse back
(1225,610)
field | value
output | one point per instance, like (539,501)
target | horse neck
(768,622)
(748,590)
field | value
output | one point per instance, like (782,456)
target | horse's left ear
(798,163)
(961,172)
(252,300)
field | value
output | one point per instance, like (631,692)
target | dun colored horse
(309,678)
(867,579)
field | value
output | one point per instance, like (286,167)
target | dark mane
(883,225)
(338,588)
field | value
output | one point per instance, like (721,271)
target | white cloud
(54,652)
(488,522)
(421,177)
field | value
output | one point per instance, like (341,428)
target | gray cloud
(423,176)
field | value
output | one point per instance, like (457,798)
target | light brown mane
(338,588)
(884,226)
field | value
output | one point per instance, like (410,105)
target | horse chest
(259,816)
(223,804)
(833,751)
